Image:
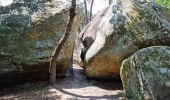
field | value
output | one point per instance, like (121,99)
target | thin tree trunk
(110,2)
(85,5)
(91,9)
(53,61)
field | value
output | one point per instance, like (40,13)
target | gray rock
(126,27)
(29,31)
(145,75)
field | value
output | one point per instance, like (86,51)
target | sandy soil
(76,87)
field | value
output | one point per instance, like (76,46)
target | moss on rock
(145,74)
(29,32)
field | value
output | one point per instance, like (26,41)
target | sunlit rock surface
(126,27)
(29,31)
(146,74)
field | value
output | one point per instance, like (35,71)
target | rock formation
(146,74)
(126,27)
(29,31)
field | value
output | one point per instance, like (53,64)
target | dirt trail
(76,87)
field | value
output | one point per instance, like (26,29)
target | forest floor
(76,87)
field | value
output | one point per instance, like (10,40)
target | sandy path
(71,88)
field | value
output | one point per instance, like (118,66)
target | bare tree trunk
(110,2)
(91,9)
(85,5)
(53,61)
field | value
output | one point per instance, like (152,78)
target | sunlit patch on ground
(73,87)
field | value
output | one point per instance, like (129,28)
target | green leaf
(165,3)
(50,0)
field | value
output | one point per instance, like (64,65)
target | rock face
(126,27)
(29,31)
(146,74)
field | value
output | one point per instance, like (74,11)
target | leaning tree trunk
(53,61)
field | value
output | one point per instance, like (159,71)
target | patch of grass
(27,86)
(130,96)
(44,87)
(93,82)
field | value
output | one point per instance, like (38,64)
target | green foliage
(165,3)
(50,0)
(44,87)
(93,82)
(32,86)
(27,86)
(129,96)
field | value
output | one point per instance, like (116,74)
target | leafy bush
(165,3)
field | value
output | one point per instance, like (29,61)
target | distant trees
(89,13)
(91,9)
(88,16)
(85,7)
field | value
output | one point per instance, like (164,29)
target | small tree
(53,61)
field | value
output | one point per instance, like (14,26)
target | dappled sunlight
(76,86)
(5,2)
(91,93)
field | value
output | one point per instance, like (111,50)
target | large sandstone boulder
(29,31)
(126,27)
(146,74)
(88,35)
